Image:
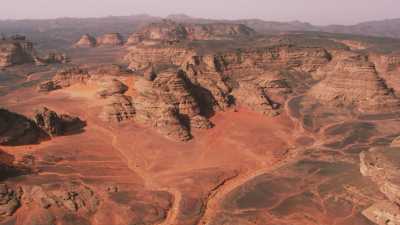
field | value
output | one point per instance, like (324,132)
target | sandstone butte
(200,124)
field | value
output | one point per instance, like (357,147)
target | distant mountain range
(63,31)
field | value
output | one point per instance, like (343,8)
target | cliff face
(169,104)
(381,165)
(215,76)
(16,129)
(388,67)
(17,50)
(143,57)
(172,31)
(13,52)
(351,80)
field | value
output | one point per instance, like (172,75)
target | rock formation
(14,51)
(86,41)
(381,164)
(210,72)
(169,104)
(16,129)
(56,125)
(9,200)
(172,31)
(70,76)
(110,87)
(351,80)
(81,75)
(51,58)
(254,97)
(18,50)
(117,108)
(111,39)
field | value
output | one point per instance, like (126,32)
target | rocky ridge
(18,50)
(381,164)
(169,30)
(351,80)
(16,129)
(15,50)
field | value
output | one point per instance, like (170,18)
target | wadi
(189,121)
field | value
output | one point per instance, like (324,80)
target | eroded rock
(56,125)
(86,41)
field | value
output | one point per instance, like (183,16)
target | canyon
(185,123)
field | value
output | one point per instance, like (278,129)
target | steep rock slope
(351,80)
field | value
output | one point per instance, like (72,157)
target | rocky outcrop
(51,58)
(255,98)
(117,108)
(169,104)
(111,87)
(351,80)
(111,39)
(172,31)
(17,129)
(215,75)
(70,76)
(9,200)
(381,165)
(72,197)
(56,125)
(14,51)
(81,75)
(18,50)
(140,58)
(172,87)
(86,41)
(388,67)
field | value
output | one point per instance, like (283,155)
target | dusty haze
(315,11)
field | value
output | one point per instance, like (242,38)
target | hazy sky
(314,11)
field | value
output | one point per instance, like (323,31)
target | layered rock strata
(172,31)
(351,80)
(15,51)
(56,125)
(382,165)
(216,75)
(169,104)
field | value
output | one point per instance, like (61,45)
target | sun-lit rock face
(211,72)
(351,80)
(110,39)
(168,103)
(14,51)
(172,31)
(86,41)
(56,125)
(381,165)
(140,58)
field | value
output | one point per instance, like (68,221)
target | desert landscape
(144,120)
